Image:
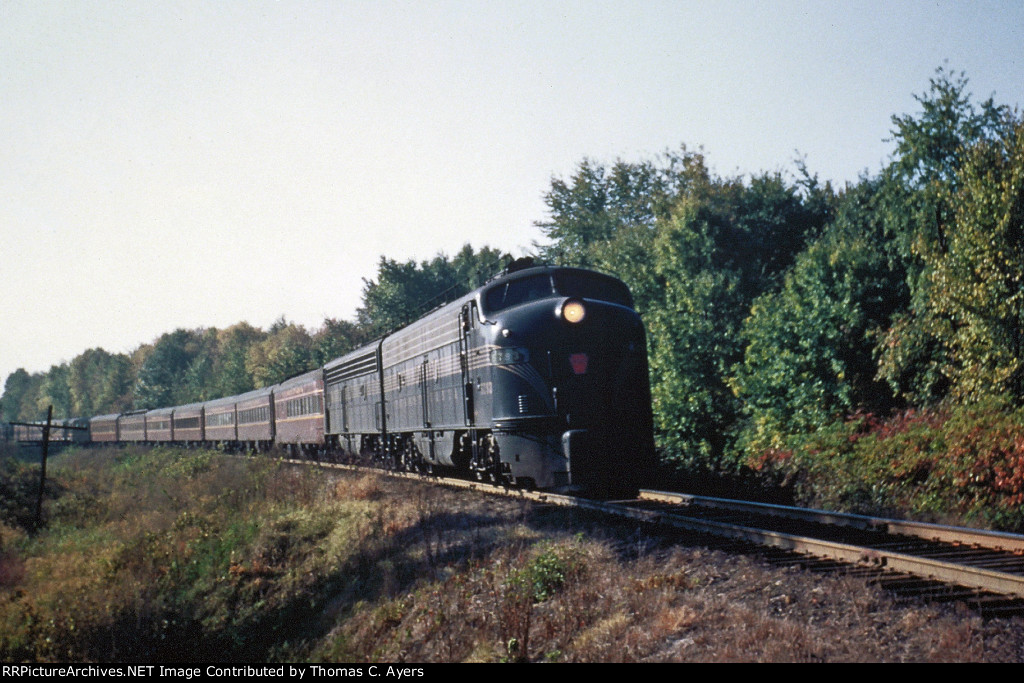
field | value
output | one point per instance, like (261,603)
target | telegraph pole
(42,472)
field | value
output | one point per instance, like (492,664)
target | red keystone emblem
(578,361)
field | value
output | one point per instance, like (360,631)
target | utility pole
(42,473)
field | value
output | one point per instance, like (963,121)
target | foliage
(975,304)
(174,371)
(285,352)
(919,198)
(404,291)
(21,396)
(809,356)
(598,203)
(954,464)
(230,375)
(19,490)
(695,252)
(336,338)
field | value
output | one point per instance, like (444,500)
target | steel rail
(929,568)
(994,540)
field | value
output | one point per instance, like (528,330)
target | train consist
(538,378)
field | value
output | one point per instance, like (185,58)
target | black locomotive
(537,379)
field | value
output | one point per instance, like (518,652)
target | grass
(185,556)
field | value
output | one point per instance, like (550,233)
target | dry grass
(172,556)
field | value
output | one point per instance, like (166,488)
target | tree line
(187,366)
(794,328)
(788,318)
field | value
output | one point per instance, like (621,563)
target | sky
(185,164)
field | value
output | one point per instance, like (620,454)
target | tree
(116,387)
(17,385)
(809,355)
(915,204)
(230,375)
(693,339)
(164,379)
(284,353)
(403,292)
(597,203)
(975,303)
(55,392)
(335,338)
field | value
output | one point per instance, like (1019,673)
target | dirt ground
(628,594)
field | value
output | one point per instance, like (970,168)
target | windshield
(521,291)
(581,284)
(592,286)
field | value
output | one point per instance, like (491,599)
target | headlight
(573,311)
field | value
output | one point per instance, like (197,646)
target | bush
(958,465)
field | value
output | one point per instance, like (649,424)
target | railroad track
(984,568)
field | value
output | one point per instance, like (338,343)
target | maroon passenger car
(299,412)
(255,411)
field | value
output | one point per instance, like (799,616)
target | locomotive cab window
(585,285)
(516,292)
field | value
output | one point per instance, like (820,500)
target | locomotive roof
(530,271)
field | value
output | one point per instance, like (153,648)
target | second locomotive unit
(539,378)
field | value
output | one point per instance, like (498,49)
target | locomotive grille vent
(524,404)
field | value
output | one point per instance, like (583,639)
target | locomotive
(538,378)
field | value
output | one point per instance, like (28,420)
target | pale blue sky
(185,164)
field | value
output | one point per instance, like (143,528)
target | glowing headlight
(573,311)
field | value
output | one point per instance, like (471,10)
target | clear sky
(195,164)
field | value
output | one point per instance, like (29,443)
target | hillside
(167,555)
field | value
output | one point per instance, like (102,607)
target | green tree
(809,355)
(285,352)
(230,375)
(163,379)
(16,386)
(915,205)
(55,391)
(100,382)
(403,292)
(116,389)
(975,299)
(597,203)
(335,338)
(693,340)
